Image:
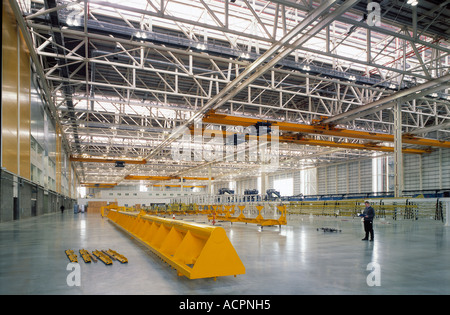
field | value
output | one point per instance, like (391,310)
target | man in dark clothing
(368,214)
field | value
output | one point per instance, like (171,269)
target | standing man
(368,215)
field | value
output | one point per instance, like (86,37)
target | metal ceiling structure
(123,78)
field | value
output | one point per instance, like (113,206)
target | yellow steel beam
(145,177)
(321,129)
(155,177)
(175,185)
(94,159)
(347,145)
(98,185)
(299,139)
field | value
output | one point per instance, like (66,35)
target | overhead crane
(100,159)
(321,129)
(98,185)
(299,138)
(155,177)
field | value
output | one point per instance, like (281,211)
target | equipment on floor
(103,257)
(115,255)
(71,255)
(92,257)
(272,194)
(329,230)
(85,255)
(194,250)
(225,215)
(223,191)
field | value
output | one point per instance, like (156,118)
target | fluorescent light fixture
(245,55)
(412,2)
(201,46)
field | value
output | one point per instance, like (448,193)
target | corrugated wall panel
(411,172)
(342,178)
(430,170)
(366,175)
(321,181)
(296,182)
(445,168)
(353,178)
(331,179)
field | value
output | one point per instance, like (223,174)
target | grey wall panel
(331,179)
(6,197)
(321,181)
(296,182)
(411,172)
(445,168)
(25,192)
(353,177)
(342,178)
(430,170)
(366,175)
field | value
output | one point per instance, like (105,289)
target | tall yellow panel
(9,90)
(25,109)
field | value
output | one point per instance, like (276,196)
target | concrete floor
(413,258)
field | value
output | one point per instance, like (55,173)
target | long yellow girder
(321,129)
(299,139)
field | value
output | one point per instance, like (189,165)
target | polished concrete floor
(409,257)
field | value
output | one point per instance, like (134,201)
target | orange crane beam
(142,177)
(175,185)
(98,185)
(321,129)
(93,159)
(297,138)
(356,146)
(155,177)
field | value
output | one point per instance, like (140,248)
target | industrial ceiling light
(412,2)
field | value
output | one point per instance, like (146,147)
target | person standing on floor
(62,208)
(368,215)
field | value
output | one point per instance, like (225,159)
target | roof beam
(359,111)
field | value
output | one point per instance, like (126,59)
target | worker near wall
(368,215)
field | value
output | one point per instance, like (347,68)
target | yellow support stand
(194,250)
(103,257)
(85,255)
(259,219)
(71,255)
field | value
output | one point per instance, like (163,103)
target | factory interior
(245,149)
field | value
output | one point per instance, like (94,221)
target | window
(142,188)
(285,186)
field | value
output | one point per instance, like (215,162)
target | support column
(263,184)
(209,180)
(181,187)
(398,157)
